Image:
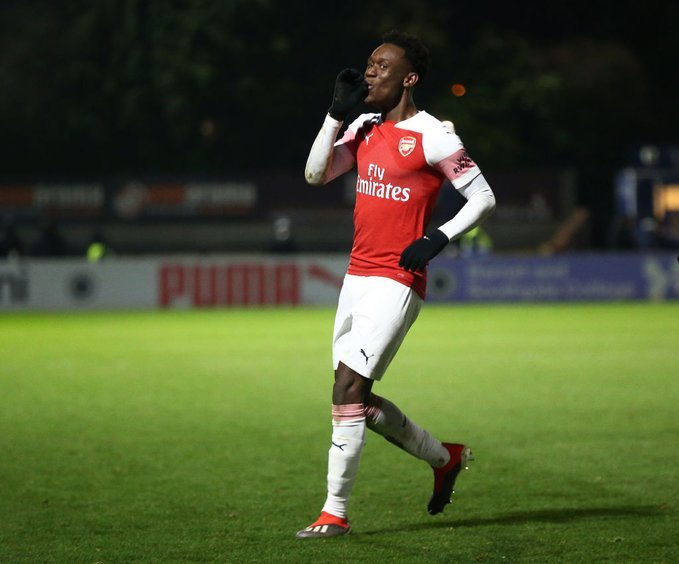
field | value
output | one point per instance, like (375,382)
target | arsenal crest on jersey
(406,145)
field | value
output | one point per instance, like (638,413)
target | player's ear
(410,79)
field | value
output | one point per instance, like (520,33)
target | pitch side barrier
(577,277)
(292,280)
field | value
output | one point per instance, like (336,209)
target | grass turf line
(202,436)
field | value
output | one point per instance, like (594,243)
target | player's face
(386,73)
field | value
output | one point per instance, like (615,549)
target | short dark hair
(416,51)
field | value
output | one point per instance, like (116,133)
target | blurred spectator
(10,244)
(476,243)
(623,235)
(50,242)
(646,234)
(283,240)
(98,248)
(653,234)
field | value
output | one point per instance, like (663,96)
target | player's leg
(349,397)
(386,419)
(348,437)
(350,393)
(446,459)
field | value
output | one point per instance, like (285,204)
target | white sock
(388,420)
(348,438)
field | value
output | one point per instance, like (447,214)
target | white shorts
(373,316)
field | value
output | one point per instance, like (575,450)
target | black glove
(416,255)
(350,89)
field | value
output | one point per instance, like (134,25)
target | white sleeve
(327,161)
(480,204)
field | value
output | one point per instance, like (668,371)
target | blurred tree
(141,84)
(578,104)
(567,103)
(237,85)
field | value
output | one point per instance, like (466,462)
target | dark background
(203,86)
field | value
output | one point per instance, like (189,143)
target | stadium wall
(162,214)
(292,280)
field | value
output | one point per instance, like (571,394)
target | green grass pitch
(202,437)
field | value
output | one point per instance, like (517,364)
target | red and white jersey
(401,166)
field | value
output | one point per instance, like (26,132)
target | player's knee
(345,392)
(350,387)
